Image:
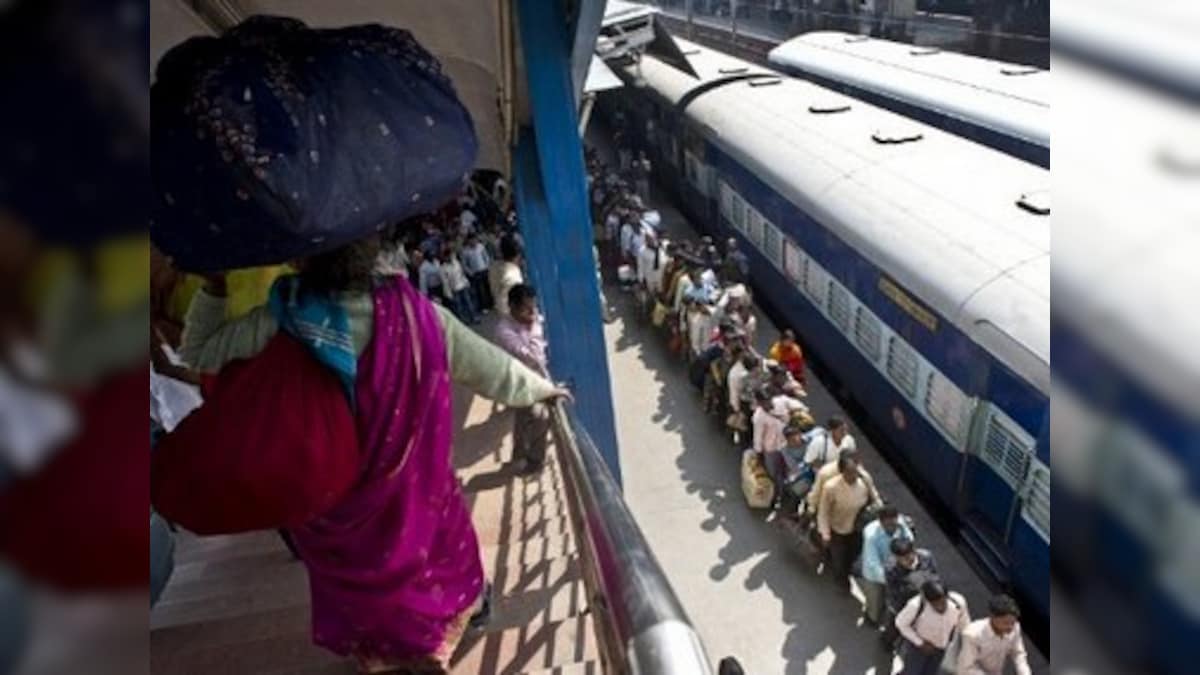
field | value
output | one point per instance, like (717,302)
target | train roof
(939,214)
(1128,278)
(1008,98)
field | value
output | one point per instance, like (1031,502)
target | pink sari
(395,568)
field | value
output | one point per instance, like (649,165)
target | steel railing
(641,626)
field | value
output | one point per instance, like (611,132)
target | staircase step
(191,548)
(499,557)
(528,649)
(582,668)
(272,653)
(493,533)
(228,632)
(225,606)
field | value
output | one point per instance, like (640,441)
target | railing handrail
(642,626)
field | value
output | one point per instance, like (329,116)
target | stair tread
(525,649)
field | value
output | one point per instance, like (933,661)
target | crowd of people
(810,478)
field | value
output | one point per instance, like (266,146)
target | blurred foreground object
(1126,411)
(74,128)
(250,131)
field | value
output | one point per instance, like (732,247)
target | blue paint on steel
(557,224)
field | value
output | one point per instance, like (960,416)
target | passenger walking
(735,268)
(522,335)
(842,499)
(824,448)
(456,288)
(928,624)
(988,644)
(475,261)
(505,273)
(430,277)
(905,573)
(394,569)
(641,177)
(878,536)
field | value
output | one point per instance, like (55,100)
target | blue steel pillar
(553,207)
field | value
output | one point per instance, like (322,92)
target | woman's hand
(561,393)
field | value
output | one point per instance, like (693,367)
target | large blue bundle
(277,141)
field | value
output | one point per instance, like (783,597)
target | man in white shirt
(475,261)
(824,448)
(627,240)
(651,263)
(928,624)
(988,643)
(467,222)
(430,275)
(505,273)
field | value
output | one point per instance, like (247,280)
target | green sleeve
(487,369)
(210,341)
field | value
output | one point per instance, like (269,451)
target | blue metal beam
(556,221)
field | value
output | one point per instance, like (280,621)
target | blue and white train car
(1003,105)
(1126,432)
(914,263)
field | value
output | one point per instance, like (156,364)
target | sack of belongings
(276,141)
(756,483)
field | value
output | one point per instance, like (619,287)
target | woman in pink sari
(394,567)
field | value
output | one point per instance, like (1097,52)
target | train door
(994,475)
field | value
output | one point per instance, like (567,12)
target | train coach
(1005,106)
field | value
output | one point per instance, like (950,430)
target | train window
(868,333)
(897,136)
(949,407)
(839,306)
(773,243)
(793,265)
(754,227)
(851,39)
(726,196)
(1004,452)
(733,71)
(739,212)
(1037,499)
(1139,483)
(902,366)
(924,51)
(1019,70)
(813,278)
(764,82)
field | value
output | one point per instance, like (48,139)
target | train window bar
(925,51)
(764,82)
(850,39)
(897,136)
(733,71)
(1019,70)
(691,52)
(1037,203)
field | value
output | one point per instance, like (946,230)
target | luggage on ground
(757,485)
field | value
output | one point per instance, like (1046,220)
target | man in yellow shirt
(842,498)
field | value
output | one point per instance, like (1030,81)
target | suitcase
(757,486)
